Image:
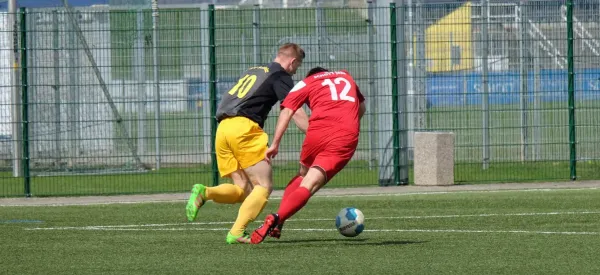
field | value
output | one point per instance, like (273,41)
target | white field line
(139,226)
(453,192)
(317,196)
(366,230)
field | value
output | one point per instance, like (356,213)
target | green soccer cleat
(243,239)
(195,202)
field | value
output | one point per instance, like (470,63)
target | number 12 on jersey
(333,89)
(243,85)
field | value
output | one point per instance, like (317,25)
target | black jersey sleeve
(282,85)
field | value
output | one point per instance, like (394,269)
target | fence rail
(109,100)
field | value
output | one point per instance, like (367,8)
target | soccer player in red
(331,140)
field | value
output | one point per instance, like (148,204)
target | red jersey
(334,100)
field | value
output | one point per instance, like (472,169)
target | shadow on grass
(344,242)
(391,243)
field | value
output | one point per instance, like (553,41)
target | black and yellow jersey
(255,93)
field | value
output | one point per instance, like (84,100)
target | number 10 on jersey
(243,85)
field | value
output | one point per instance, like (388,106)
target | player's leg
(294,182)
(228,167)
(323,170)
(289,189)
(312,182)
(250,151)
(260,175)
(226,193)
(324,167)
(230,193)
(295,201)
(242,182)
(311,147)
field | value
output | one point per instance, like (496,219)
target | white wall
(173,96)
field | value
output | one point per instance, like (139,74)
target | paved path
(324,192)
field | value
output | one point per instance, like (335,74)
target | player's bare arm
(301,120)
(282,124)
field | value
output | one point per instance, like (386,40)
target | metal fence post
(402,95)
(25,104)
(256,34)
(419,100)
(56,61)
(156,82)
(385,131)
(207,115)
(537,102)
(571,95)
(485,8)
(321,32)
(15,93)
(523,72)
(372,88)
(140,77)
(74,98)
(395,124)
(213,90)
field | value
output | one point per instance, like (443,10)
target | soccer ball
(350,222)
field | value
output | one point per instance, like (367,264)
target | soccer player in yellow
(241,143)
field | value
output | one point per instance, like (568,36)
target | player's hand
(271,152)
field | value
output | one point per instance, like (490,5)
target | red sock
(291,187)
(294,202)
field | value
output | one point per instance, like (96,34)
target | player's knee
(261,174)
(246,192)
(240,179)
(314,179)
(261,180)
(311,184)
(267,184)
(303,171)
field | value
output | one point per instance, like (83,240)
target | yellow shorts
(239,144)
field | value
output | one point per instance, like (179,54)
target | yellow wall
(452,30)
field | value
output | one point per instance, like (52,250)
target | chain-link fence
(514,111)
(118,97)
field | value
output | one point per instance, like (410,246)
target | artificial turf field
(470,232)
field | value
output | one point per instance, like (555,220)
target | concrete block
(434,158)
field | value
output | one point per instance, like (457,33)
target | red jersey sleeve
(297,96)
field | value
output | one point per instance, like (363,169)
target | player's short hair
(291,50)
(316,70)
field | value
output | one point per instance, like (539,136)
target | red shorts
(330,151)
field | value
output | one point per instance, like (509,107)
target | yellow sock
(225,193)
(250,209)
